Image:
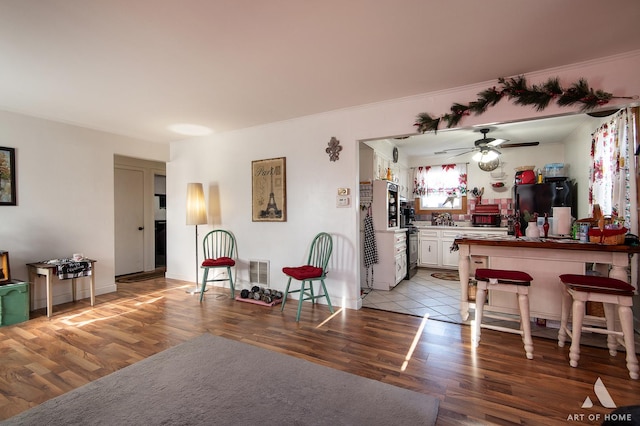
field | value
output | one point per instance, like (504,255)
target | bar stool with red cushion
(609,291)
(508,281)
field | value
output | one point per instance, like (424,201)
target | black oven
(412,251)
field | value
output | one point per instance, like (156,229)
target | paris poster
(269,190)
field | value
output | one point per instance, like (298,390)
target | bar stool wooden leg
(525,324)
(626,322)
(481,297)
(610,317)
(578,316)
(564,317)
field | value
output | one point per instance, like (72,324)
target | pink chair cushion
(303,272)
(221,261)
(597,284)
(515,277)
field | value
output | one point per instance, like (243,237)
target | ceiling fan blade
(518,145)
(498,142)
(446,151)
(462,153)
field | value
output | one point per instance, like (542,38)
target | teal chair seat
(314,270)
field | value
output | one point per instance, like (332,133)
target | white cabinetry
(449,259)
(436,241)
(428,248)
(392,259)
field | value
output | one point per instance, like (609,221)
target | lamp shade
(196,208)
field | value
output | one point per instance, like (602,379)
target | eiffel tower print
(272,211)
(269,190)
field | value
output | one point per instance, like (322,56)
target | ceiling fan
(486,150)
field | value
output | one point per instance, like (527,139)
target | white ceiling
(134,67)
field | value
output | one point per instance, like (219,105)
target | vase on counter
(532,230)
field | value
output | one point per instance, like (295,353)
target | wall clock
(395,154)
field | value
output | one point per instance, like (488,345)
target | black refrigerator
(541,198)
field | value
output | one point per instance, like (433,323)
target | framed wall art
(269,190)
(7,176)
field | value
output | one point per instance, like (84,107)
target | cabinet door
(449,258)
(401,267)
(428,252)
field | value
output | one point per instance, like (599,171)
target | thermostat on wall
(343,201)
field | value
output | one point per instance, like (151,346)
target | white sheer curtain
(437,185)
(612,183)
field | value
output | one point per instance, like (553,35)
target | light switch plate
(343,191)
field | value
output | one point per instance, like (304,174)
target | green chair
(314,270)
(219,248)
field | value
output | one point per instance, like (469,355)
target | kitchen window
(441,188)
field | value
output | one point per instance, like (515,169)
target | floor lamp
(196,215)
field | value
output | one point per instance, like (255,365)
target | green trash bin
(14,302)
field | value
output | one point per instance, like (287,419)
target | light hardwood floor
(494,384)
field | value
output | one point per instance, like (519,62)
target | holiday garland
(517,89)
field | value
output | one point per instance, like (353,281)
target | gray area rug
(211,380)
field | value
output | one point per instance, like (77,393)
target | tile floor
(424,294)
(421,295)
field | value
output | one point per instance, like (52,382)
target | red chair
(314,270)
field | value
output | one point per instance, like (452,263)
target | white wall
(222,162)
(65,197)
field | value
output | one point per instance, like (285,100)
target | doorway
(139,215)
(129,221)
(160,220)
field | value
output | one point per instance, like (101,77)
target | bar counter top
(545,259)
(543,243)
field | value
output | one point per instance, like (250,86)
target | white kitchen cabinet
(448,258)
(436,241)
(428,248)
(392,259)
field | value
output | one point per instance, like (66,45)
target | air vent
(259,272)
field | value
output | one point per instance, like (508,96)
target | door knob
(140,228)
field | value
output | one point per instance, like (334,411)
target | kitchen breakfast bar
(545,260)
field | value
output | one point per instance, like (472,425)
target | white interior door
(129,221)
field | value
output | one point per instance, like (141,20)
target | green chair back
(218,243)
(320,252)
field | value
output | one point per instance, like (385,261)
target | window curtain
(445,179)
(612,182)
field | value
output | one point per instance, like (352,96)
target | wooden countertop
(543,243)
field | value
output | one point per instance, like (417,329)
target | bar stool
(512,282)
(609,291)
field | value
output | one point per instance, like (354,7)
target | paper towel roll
(561,221)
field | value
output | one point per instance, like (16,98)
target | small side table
(14,302)
(48,270)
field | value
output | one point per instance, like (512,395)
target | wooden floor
(495,384)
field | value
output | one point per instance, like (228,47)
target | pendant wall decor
(334,149)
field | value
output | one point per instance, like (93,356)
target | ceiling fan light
(485,155)
(489,156)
